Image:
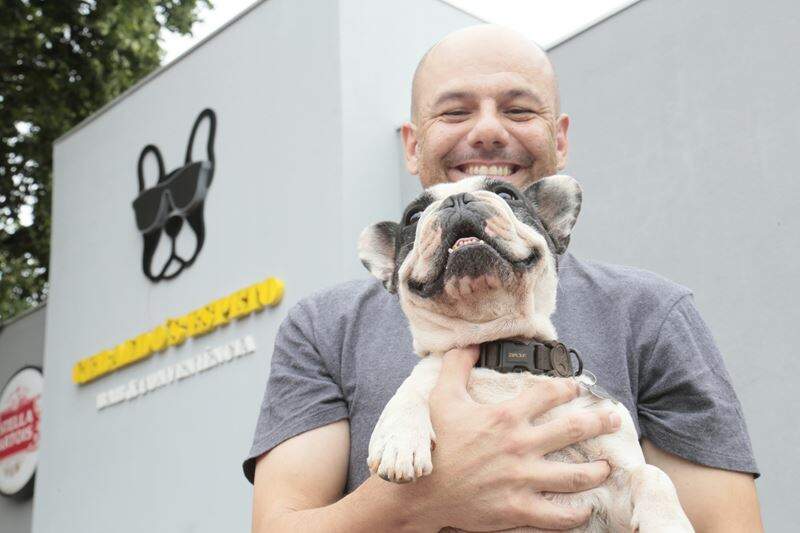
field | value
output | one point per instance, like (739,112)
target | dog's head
(177,197)
(474,261)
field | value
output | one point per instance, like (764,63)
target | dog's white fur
(636,496)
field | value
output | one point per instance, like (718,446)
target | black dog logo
(177,196)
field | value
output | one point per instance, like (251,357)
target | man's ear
(377,250)
(410,143)
(557,200)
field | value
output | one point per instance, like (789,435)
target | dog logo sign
(177,198)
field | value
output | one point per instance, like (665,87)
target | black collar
(550,357)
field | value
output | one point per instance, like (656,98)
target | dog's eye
(506,194)
(413,216)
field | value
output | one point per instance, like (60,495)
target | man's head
(474,261)
(485,102)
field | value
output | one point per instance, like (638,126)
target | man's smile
(502,170)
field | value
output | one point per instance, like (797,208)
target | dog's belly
(611,500)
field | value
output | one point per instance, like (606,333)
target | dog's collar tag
(551,357)
(588,381)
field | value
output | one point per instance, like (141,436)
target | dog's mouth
(469,252)
(465,241)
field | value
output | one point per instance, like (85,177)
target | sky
(545,21)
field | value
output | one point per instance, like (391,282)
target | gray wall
(307,95)
(21,344)
(685,135)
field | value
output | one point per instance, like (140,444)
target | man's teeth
(464,242)
(488,170)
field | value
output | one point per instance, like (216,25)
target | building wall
(171,460)
(21,344)
(684,135)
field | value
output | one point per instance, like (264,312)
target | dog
(176,197)
(475,261)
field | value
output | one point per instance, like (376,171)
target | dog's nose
(458,200)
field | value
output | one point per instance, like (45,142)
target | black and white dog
(473,262)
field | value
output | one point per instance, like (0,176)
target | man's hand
(489,460)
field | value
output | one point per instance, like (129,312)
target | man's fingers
(456,367)
(547,515)
(545,395)
(551,476)
(573,428)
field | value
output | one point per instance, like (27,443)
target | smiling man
(479,82)
(485,102)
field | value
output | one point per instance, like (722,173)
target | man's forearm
(375,506)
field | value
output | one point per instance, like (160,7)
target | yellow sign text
(174,331)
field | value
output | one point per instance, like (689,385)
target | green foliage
(60,60)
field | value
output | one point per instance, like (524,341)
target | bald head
(481,50)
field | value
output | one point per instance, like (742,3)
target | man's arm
(493,450)
(299,484)
(716,501)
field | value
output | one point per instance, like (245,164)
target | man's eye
(519,111)
(455,113)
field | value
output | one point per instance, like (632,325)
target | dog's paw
(400,449)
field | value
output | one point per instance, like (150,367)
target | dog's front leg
(400,447)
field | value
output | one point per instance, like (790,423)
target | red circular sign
(20,416)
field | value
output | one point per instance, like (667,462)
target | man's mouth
(504,171)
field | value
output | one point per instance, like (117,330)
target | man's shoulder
(345,293)
(345,302)
(621,283)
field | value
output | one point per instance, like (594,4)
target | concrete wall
(21,344)
(684,135)
(171,461)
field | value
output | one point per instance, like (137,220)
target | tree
(59,62)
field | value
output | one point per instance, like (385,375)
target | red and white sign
(20,415)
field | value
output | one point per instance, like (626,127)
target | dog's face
(474,261)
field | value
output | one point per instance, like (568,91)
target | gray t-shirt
(342,353)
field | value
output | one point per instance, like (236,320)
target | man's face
(484,113)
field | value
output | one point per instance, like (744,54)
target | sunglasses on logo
(180,192)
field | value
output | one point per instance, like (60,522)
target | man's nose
(488,132)
(457,201)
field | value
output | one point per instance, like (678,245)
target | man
(485,101)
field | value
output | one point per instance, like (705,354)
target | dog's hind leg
(655,503)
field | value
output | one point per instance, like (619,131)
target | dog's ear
(557,200)
(145,170)
(210,117)
(377,249)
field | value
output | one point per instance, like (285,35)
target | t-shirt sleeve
(301,394)
(686,403)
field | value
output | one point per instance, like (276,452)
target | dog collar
(550,357)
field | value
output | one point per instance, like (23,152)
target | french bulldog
(176,197)
(475,261)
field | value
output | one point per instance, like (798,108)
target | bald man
(485,102)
